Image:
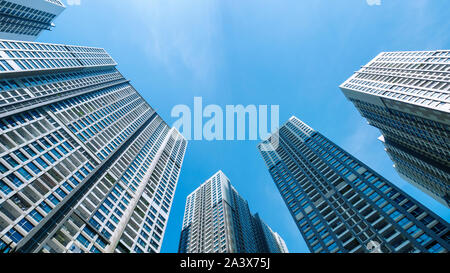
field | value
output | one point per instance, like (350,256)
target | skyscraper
(218,220)
(86,165)
(26,19)
(268,240)
(341,205)
(281,243)
(407,96)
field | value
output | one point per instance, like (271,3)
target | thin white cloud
(427,25)
(360,138)
(179,35)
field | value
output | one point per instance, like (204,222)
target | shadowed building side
(340,204)
(407,96)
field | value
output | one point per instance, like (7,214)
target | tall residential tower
(218,220)
(268,241)
(407,96)
(86,165)
(26,19)
(341,205)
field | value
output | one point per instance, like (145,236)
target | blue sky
(289,53)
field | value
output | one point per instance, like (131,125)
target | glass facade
(86,165)
(341,205)
(407,96)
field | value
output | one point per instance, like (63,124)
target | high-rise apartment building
(340,204)
(281,243)
(268,241)
(86,165)
(407,96)
(218,220)
(26,19)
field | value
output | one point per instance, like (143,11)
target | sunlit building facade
(26,19)
(218,220)
(86,165)
(407,96)
(281,243)
(340,204)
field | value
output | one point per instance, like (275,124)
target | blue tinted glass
(11,161)
(56,153)
(101,243)
(14,235)
(26,225)
(83,240)
(38,147)
(3,169)
(49,158)
(36,216)
(5,188)
(25,173)
(45,207)
(34,168)
(94,223)
(42,162)
(53,199)
(21,156)
(15,180)
(67,186)
(29,151)
(63,150)
(61,193)
(45,143)
(89,231)
(95,250)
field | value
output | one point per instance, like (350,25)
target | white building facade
(281,243)
(218,220)
(26,19)
(86,165)
(407,96)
